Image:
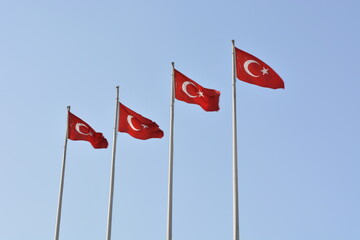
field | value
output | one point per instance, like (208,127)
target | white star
(201,94)
(265,71)
(144,126)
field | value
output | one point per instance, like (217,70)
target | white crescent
(77,128)
(246,67)
(184,85)
(129,117)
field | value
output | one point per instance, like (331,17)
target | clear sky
(299,148)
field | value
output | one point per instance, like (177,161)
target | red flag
(137,125)
(189,91)
(252,70)
(80,130)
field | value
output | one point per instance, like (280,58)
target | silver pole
(58,217)
(236,233)
(112,174)
(171,156)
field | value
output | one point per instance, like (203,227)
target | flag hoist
(189,91)
(76,129)
(250,69)
(112,169)
(171,157)
(58,215)
(236,235)
(137,126)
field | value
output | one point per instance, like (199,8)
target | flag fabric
(80,130)
(137,126)
(252,70)
(189,91)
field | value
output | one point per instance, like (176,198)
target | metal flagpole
(58,217)
(171,156)
(236,233)
(112,174)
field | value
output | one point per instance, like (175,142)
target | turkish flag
(189,91)
(80,130)
(252,70)
(137,125)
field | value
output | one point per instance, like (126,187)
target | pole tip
(173,63)
(117,87)
(233,42)
(68,108)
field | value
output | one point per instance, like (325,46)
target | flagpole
(171,156)
(61,189)
(112,171)
(236,231)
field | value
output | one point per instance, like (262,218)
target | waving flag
(252,70)
(137,125)
(189,91)
(80,130)
(76,129)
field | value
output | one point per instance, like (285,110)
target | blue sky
(298,148)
